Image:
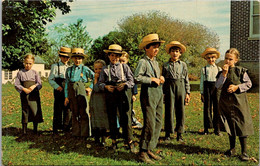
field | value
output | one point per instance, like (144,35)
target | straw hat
(151,38)
(115,48)
(64,51)
(78,52)
(211,51)
(177,44)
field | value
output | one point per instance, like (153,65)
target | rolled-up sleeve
(220,81)
(17,83)
(66,83)
(140,75)
(246,85)
(51,78)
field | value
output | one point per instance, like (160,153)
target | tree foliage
(132,29)
(74,35)
(23,28)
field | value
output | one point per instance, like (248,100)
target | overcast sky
(101,16)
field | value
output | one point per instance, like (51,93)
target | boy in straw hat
(75,93)
(176,89)
(116,79)
(209,94)
(148,74)
(61,114)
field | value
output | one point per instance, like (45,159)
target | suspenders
(206,72)
(122,73)
(81,74)
(169,68)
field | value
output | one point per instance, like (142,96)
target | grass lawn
(47,149)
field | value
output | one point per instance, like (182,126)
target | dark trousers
(152,107)
(118,101)
(211,107)
(61,114)
(174,91)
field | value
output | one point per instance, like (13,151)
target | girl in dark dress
(28,83)
(233,104)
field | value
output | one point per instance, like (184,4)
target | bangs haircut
(100,61)
(175,48)
(114,53)
(29,56)
(152,44)
(233,51)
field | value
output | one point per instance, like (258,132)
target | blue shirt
(73,74)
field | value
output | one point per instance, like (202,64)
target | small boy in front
(75,93)
(115,79)
(148,74)
(176,90)
(209,94)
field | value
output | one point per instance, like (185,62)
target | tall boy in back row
(209,94)
(176,89)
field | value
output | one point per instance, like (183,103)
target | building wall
(239,38)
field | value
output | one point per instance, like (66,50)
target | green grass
(46,149)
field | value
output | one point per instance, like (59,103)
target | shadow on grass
(66,143)
(188,149)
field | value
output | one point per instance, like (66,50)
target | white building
(9,76)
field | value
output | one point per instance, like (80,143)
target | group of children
(113,89)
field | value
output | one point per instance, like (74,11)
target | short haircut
(211,54)
(100,61)
(175,48)
(233,51)
(109,53)
(29,56)
(152,44)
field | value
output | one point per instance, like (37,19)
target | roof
(38,60)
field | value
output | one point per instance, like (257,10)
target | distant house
(9,76)
(244,35)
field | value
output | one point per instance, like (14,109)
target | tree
(74,35)
(23,28)
(194,36)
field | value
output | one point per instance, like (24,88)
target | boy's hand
(156,80)
(66,102)
(202,98)
(96,76)
(187,99)
(88,90)
(232,88)
(110,88)
(59,88)
(27,91)
(225,70)
(134,98)
(162,79)
(120,86)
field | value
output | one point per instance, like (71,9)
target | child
(132,94)
(233,104)
(115,79)
(75,93)
(98,112)
(209,94)
(61,114)
(28,83)
(148,74)
(176,89)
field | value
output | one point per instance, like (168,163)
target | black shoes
(230,152)
(244,157)
(179,137)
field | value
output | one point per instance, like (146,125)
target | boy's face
(152,51)
(77,60)
(98,67)
(123,60)
(211,58)
(28,63)
(64,59)
(230,59)
(175,54)
(114,58)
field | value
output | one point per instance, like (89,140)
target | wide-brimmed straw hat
(64,51)
(210,51)
(115,48)
(151,38)
(177,44)
(78,52)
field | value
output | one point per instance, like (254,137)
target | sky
(100,17)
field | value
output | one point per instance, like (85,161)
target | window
(6,75)
(10,75)
(46,74)
(254,20)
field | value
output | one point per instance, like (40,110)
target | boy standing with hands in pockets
(148,74)
(176,89)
